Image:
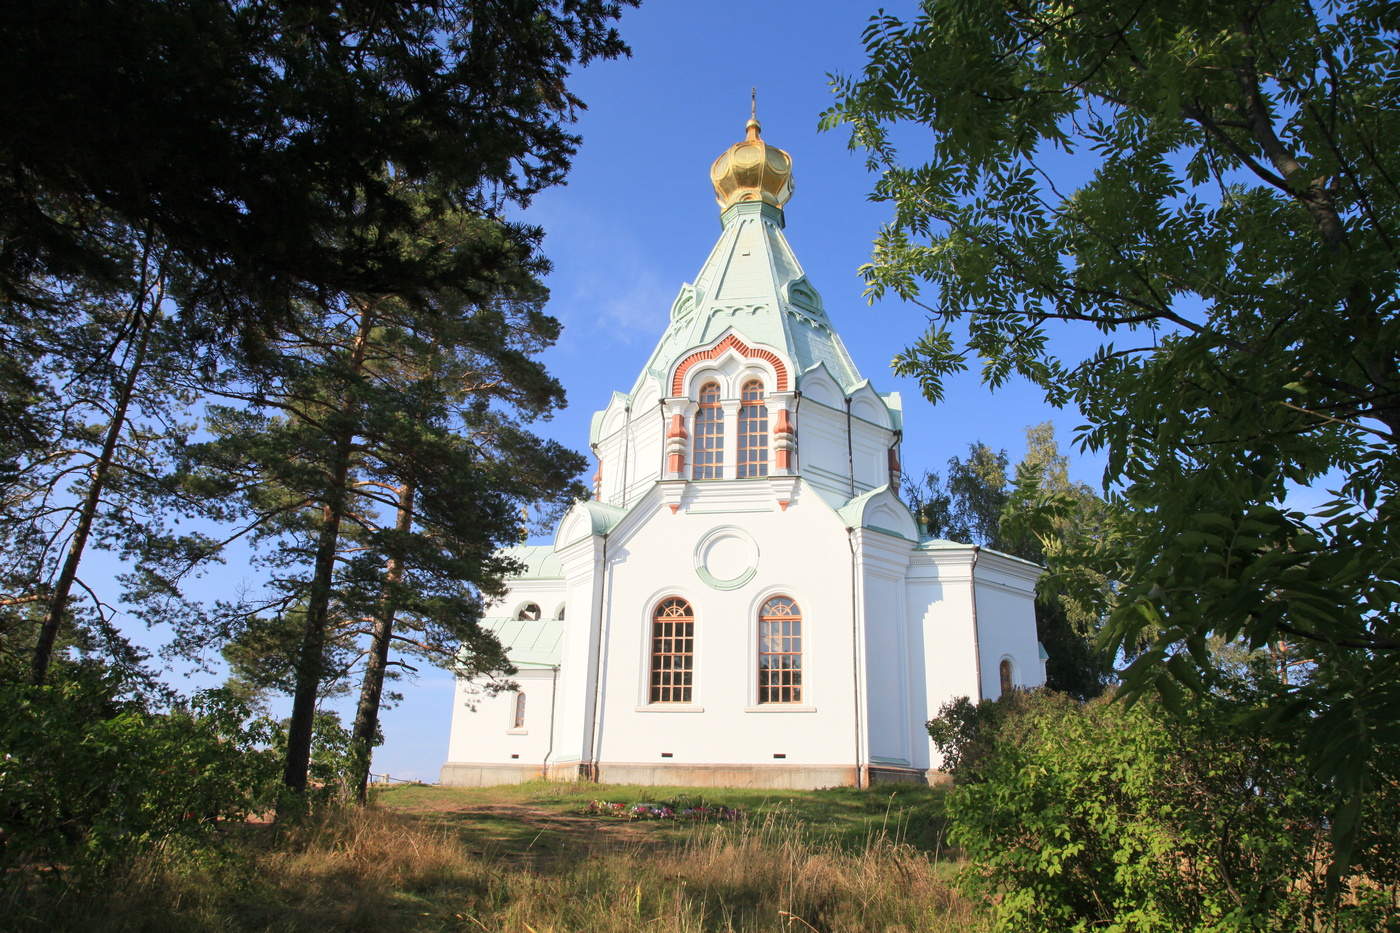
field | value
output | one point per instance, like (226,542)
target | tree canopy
(1214,187)
(253,138)
(291,221)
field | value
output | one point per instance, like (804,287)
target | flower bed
(671,810)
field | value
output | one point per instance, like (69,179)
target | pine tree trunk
(372,687)
(97,481)
(313,639)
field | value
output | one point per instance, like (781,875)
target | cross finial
(751,129)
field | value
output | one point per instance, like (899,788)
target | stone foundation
(891,774)
(470,774)
(791,777)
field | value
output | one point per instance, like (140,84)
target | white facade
(892,625)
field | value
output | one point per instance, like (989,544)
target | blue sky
(637,218)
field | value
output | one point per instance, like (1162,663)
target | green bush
(328,774)
(87,778)
(1104,816)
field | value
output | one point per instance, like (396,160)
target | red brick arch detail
(678,381)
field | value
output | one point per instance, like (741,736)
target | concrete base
(470,774)
(794,777)
(891,774)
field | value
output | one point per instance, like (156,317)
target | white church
(745,601)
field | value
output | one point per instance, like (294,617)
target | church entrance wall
(725,732)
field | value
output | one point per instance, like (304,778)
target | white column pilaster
(730,407)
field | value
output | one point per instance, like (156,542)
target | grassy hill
(532,859)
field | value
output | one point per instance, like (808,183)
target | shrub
(1108,816)
(87,777)
(967,735)
(329,774)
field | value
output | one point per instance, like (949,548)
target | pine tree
(106,370)
(374,398)
(251,138)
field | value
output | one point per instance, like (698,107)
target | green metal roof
(752,283)
(529,643)
(539,560)
(853,512)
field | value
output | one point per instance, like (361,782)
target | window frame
(748,440)
(760,616)
(714,455)
(651,688)
(517,712)
(1006,675)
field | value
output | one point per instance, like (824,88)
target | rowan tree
(1227,220)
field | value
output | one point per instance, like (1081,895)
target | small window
(753,431)
(709,435)
(530,612)
(672,652)
(518,719)
(559,613)
(1007,680)
(780,651)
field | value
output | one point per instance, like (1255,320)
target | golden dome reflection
(752,170)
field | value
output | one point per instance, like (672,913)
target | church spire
(752,170)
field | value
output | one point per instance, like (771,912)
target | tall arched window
(517,720)
(780,651)
(709,435)
(753,431)
(672,652)
(1007,680)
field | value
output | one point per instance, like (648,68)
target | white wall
(939,597)
(582,562)
(483,725)
(884,563)
(1006,621)
(801,553)
(914,648)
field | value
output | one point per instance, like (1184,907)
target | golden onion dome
(752,170)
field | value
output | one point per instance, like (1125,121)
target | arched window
(518,719)
(753,431)
(1007,681)
(530,612)
(709,435)
(559,613)
(672,652)
(780,651)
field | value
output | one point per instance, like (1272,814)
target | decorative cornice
(729,342)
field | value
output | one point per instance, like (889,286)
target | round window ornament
(726,558)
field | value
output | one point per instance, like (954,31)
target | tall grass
(379,870)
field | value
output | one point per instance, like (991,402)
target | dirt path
(517,831)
